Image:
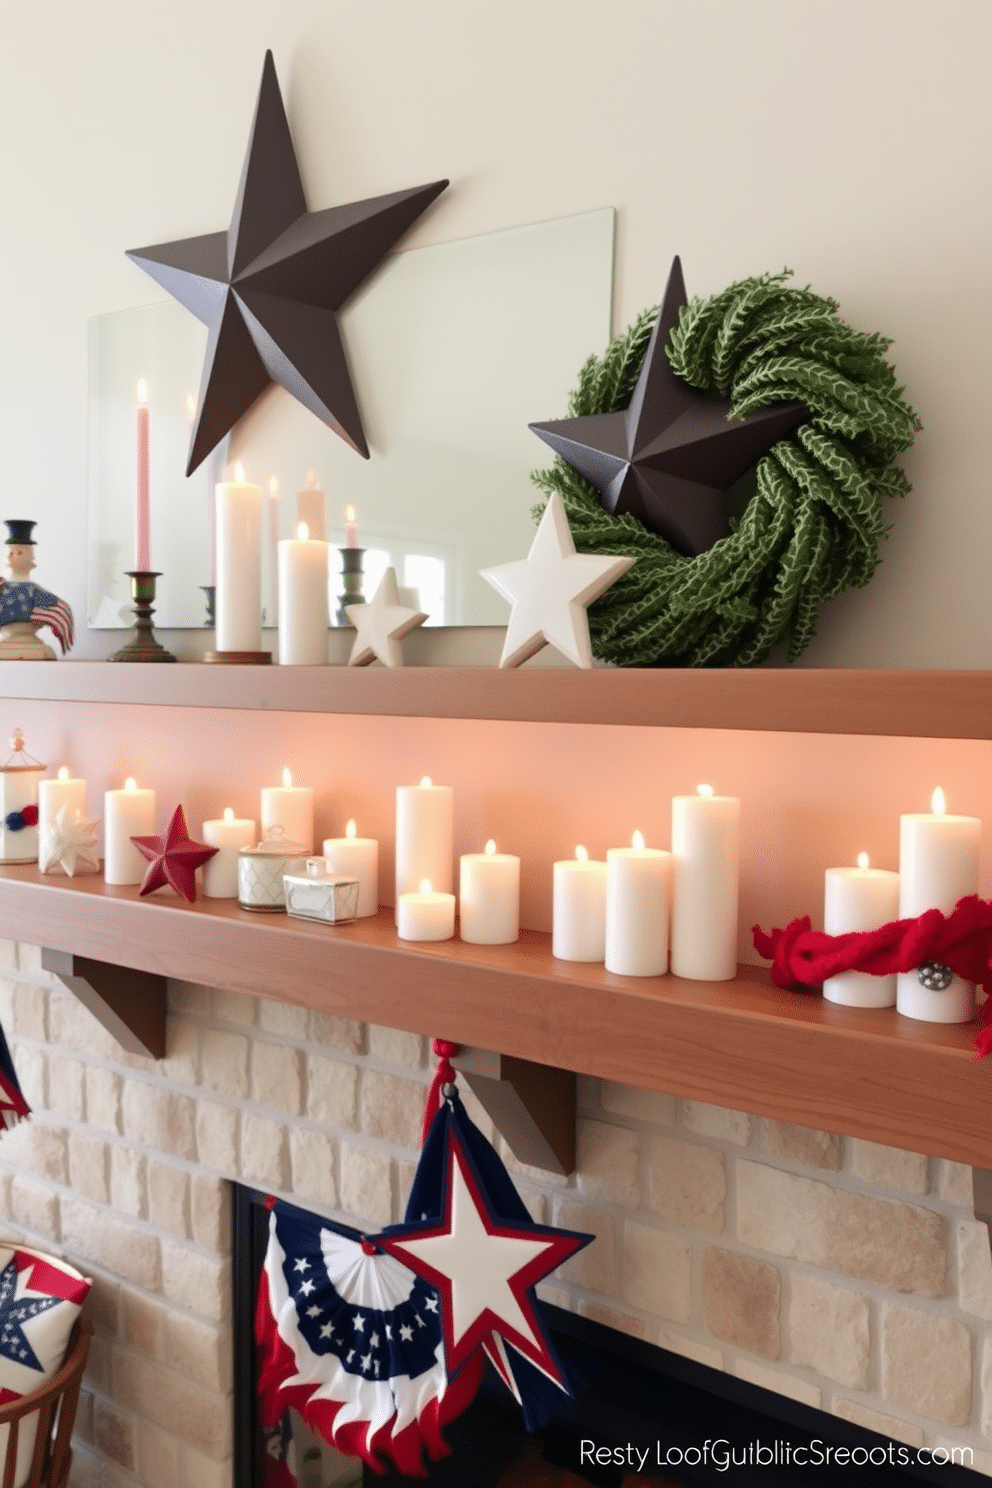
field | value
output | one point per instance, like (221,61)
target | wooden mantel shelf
(933,704)
(741,1044)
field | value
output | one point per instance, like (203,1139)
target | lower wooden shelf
(742,1044)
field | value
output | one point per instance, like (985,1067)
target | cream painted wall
(848,139)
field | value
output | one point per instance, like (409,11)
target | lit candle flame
(191,406)
(863,861)
(637,842)
(273,486)
(581,854)
(130,783)
(239,473)
(228,813)
(349,513)
(425,886)
(311,481)
(704,790)
(938,802)
(142,390)
(350,829)
(287,776)
(302,532)
(64,772)
(425,780)
(490,847)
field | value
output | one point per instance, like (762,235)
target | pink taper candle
(350,528)
(142,507)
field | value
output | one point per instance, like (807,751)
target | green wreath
(812,526)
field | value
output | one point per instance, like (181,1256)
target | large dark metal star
(268,288)
(670,457)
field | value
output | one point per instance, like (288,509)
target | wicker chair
(51,1413)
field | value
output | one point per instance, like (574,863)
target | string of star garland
(813,525)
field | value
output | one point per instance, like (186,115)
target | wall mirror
(453,348)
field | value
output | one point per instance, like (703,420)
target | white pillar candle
(425,820)
(228,834)
(938,865)
(311,508)
(287,812)
(425,915)
(638,905)
(302,600)
(578,914)
(489,897)
(358,858)
(64,790)
(861,898)
(706,852)
(238,601)
(18,792)
(127,813)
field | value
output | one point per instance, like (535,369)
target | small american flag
(27,603)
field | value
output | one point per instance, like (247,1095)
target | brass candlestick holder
(351,577)
(143,646)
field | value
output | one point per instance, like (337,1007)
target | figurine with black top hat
(25,607)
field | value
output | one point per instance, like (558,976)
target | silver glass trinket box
(319,895)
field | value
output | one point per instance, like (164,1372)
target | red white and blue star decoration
(379,1341)
(40,1298)
(13,1106)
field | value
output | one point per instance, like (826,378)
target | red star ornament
(172,858)
(484,1270)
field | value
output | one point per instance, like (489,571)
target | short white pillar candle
(938,865)
(489,897)
(302,600)
(64,790)
(638,905)
(861,898)
(578,914)
(228,834)
(288,808)
(356,857)
(425,915)
(706,852)
(238,601)
(127,813)
(425,821)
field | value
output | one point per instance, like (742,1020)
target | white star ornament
(382,625)
(69,842)
(550,591)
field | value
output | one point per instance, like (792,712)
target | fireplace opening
(643,1418)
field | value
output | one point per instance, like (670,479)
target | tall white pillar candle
(425,825)
(302,600)
(356,857)
(64,790)
(578,913)
(638,905)
(425,915)
(489,897)
(706,852)
(287,812)
(228,834)
(861,898)
(127,813)
(238,601)
(938,865)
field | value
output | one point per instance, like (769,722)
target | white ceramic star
(69,842)
(550,591)
(381,625)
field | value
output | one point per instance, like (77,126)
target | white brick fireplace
(849,1276)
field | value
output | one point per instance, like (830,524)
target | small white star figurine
(69,843)
(550,591)
(382,625)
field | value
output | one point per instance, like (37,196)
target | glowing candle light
(425,914)
(706,852)
(424,836)
(578,915)
(287,812)
(350,527)
(861,898)
(356,857)
(489,897)
(938,865)
(638,906)
(303,616)
(238,603)
(127,813)
(311,507)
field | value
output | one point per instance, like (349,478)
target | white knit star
(381,625)
(550,591)
(69,842)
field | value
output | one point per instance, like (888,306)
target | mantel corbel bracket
(531,1105)
(131,1005)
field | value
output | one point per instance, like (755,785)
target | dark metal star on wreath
(267,289)
(672,454)
(172,858)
